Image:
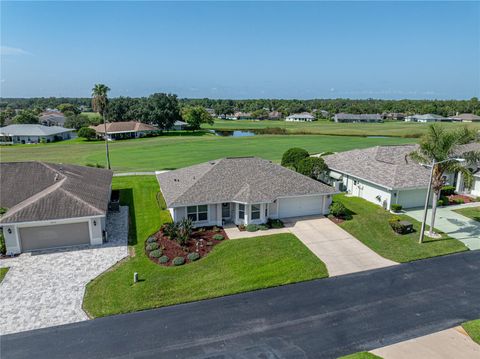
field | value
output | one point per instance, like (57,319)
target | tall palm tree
(99,104)
(438,148)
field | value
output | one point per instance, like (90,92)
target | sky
(389,50)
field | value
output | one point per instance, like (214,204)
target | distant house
(300,117)
(52,118)
(211,111)
(396,116)
(349,117)
(13,134)
(323,113)
(124,130)
(243,115)
(429,117)
(466,117)
(179,125)
(274,115)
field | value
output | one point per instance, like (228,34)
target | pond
(236,133)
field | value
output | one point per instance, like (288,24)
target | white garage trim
(297,206)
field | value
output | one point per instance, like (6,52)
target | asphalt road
(318,319)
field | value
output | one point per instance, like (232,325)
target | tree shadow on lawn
(126,199)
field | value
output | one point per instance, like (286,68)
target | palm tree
(99,104)
(438,147)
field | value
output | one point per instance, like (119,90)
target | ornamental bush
(251,228)
(151,239)
(157,253)
(263,227)
(193,256)
(274,223)
(218,237)
(163,259)
(338,210)
(152,246)
(396,207)
(178,261)
(292,157)
(447,190)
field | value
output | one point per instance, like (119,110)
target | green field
(233,266)
(168,152)
(397,128)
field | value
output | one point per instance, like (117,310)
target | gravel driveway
(46,288)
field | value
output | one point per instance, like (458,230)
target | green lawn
(361,355)
(3,273)
(370,226)
(473,329)
(470,212)
(168,152)
(232,267)
(325,127)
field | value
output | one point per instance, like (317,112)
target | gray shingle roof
(32,130)
(37,191)
(358,117)
(247,179)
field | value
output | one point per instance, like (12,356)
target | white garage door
(60,235)
(300,206)
(412,198)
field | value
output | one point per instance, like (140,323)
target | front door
(225,210)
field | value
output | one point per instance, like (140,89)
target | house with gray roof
(385,175)
(300,117)
(427,118)
(52,205)
(13,134)
(349,117)
(241,190)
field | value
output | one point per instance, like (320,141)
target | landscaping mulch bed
(466,199)
(203,236)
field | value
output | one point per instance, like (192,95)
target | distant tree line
(162,108)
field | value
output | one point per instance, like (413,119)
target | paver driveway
(454,224)
(46,288)
(339,250)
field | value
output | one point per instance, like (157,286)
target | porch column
(219,214)
(247,214)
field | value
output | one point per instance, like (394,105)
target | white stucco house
(245,190)
(300,117)
(384,175)
(13,134)
(52,205)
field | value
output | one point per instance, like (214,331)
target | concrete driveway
(46,288)
(454,224)
(339,250)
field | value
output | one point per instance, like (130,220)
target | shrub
(216,229)
(274,223)
(458,200)
(170,230)
(396,207)
(447,191)
(251,228)
(293,156)
(338,209)
(178,261)
(3,248)
(440,203)
(152,246)
(193,256)
(313,167)
(399,228)
(163,259)
(218,237)
(87,133)
(445,200)
(157,253)
(263,227)
(151,239)
(185,228)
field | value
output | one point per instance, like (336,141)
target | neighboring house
(396,116)
(323,113)
(52,118)
(426,118)
(240,116)
(52,205)
(243,191)
(124,130)
(274,115)
(349,117)
(211,111)
(384,175)
(300,117)
(466,117)
(475,170)
(179,125)
(13,134)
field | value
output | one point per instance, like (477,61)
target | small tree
(184,232)
(76,121)
(261,114)
(292,157)
(195,116)
(313,167)
(25,117)
(87,133)
(68,107)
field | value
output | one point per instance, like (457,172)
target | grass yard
(169,152)
(361,355)
(470,212)
(473,329)
(3,273)
(324,127)
(233,266)
(370,226)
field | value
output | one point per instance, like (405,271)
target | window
(197,213)
(241,211)
(255,211)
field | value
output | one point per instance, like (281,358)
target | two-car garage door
(300,206)
(59,235)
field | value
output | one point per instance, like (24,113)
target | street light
(434,163)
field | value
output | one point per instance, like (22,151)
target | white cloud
(7,50)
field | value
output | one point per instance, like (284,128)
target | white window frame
(252,211)
(197,213)
(240,210)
